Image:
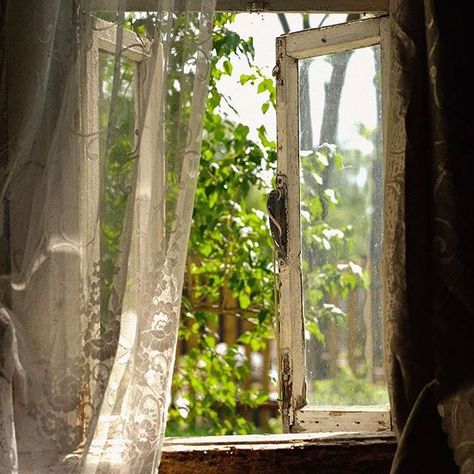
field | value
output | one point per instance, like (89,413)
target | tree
(335,254)
(229,274)
(229,267)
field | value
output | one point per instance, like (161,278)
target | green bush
(347,389)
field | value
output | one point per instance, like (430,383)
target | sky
(358,98)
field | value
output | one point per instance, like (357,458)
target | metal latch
(278,215)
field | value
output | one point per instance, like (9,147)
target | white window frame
(148,143)
(103,38)
(134,48)
(297,415)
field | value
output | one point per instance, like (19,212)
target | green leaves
(328,272)
(244,78)
(244,300)
(262,135)
(265,85)
(229,267)
(228,68)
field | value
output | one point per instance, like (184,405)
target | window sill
(308,452)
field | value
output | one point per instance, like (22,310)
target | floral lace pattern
(96,382)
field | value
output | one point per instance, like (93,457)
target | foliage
(347,389)
(229,267)
(230,259)
(328,273)
(230,251)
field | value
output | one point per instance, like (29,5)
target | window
(107,179)
(296,51)
(306,301)
(296,417)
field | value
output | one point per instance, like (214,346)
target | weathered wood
(333,39)
(134,47)
(322,454)
(290,310)
(362,419)
(291,48)
(297,6)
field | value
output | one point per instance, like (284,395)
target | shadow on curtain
(105,113)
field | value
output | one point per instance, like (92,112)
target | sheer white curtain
(104,116)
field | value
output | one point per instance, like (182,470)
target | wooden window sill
(294,453)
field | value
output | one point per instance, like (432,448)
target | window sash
(296,414)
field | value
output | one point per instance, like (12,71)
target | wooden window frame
(179,450)
(297,415)
(136,49)
(324,453)
(269,6)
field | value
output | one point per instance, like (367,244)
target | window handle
(278,217)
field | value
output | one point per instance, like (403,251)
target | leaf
(331,195)
(266,85)
(244,300)
(228,68)
(245,338)
(210,341)
(256,344)
(265,107)
(262,316)
(206,249)
(357,269)
(313,328)
(339,161)
(213,199)
(244,78)
(322,158)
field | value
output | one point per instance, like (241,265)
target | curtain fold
(428,257)
(105,114)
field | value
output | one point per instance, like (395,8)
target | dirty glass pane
(341,224)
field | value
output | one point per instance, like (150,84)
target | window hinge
(256,7)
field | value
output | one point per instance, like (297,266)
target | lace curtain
(428,252)
(99,167)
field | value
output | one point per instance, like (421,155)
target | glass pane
(341,224)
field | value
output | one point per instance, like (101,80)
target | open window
(120,75)
(329,311)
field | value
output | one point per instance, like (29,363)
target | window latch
(278,216)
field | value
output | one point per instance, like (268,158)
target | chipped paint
(286,391)
(296,417)
(291,349)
